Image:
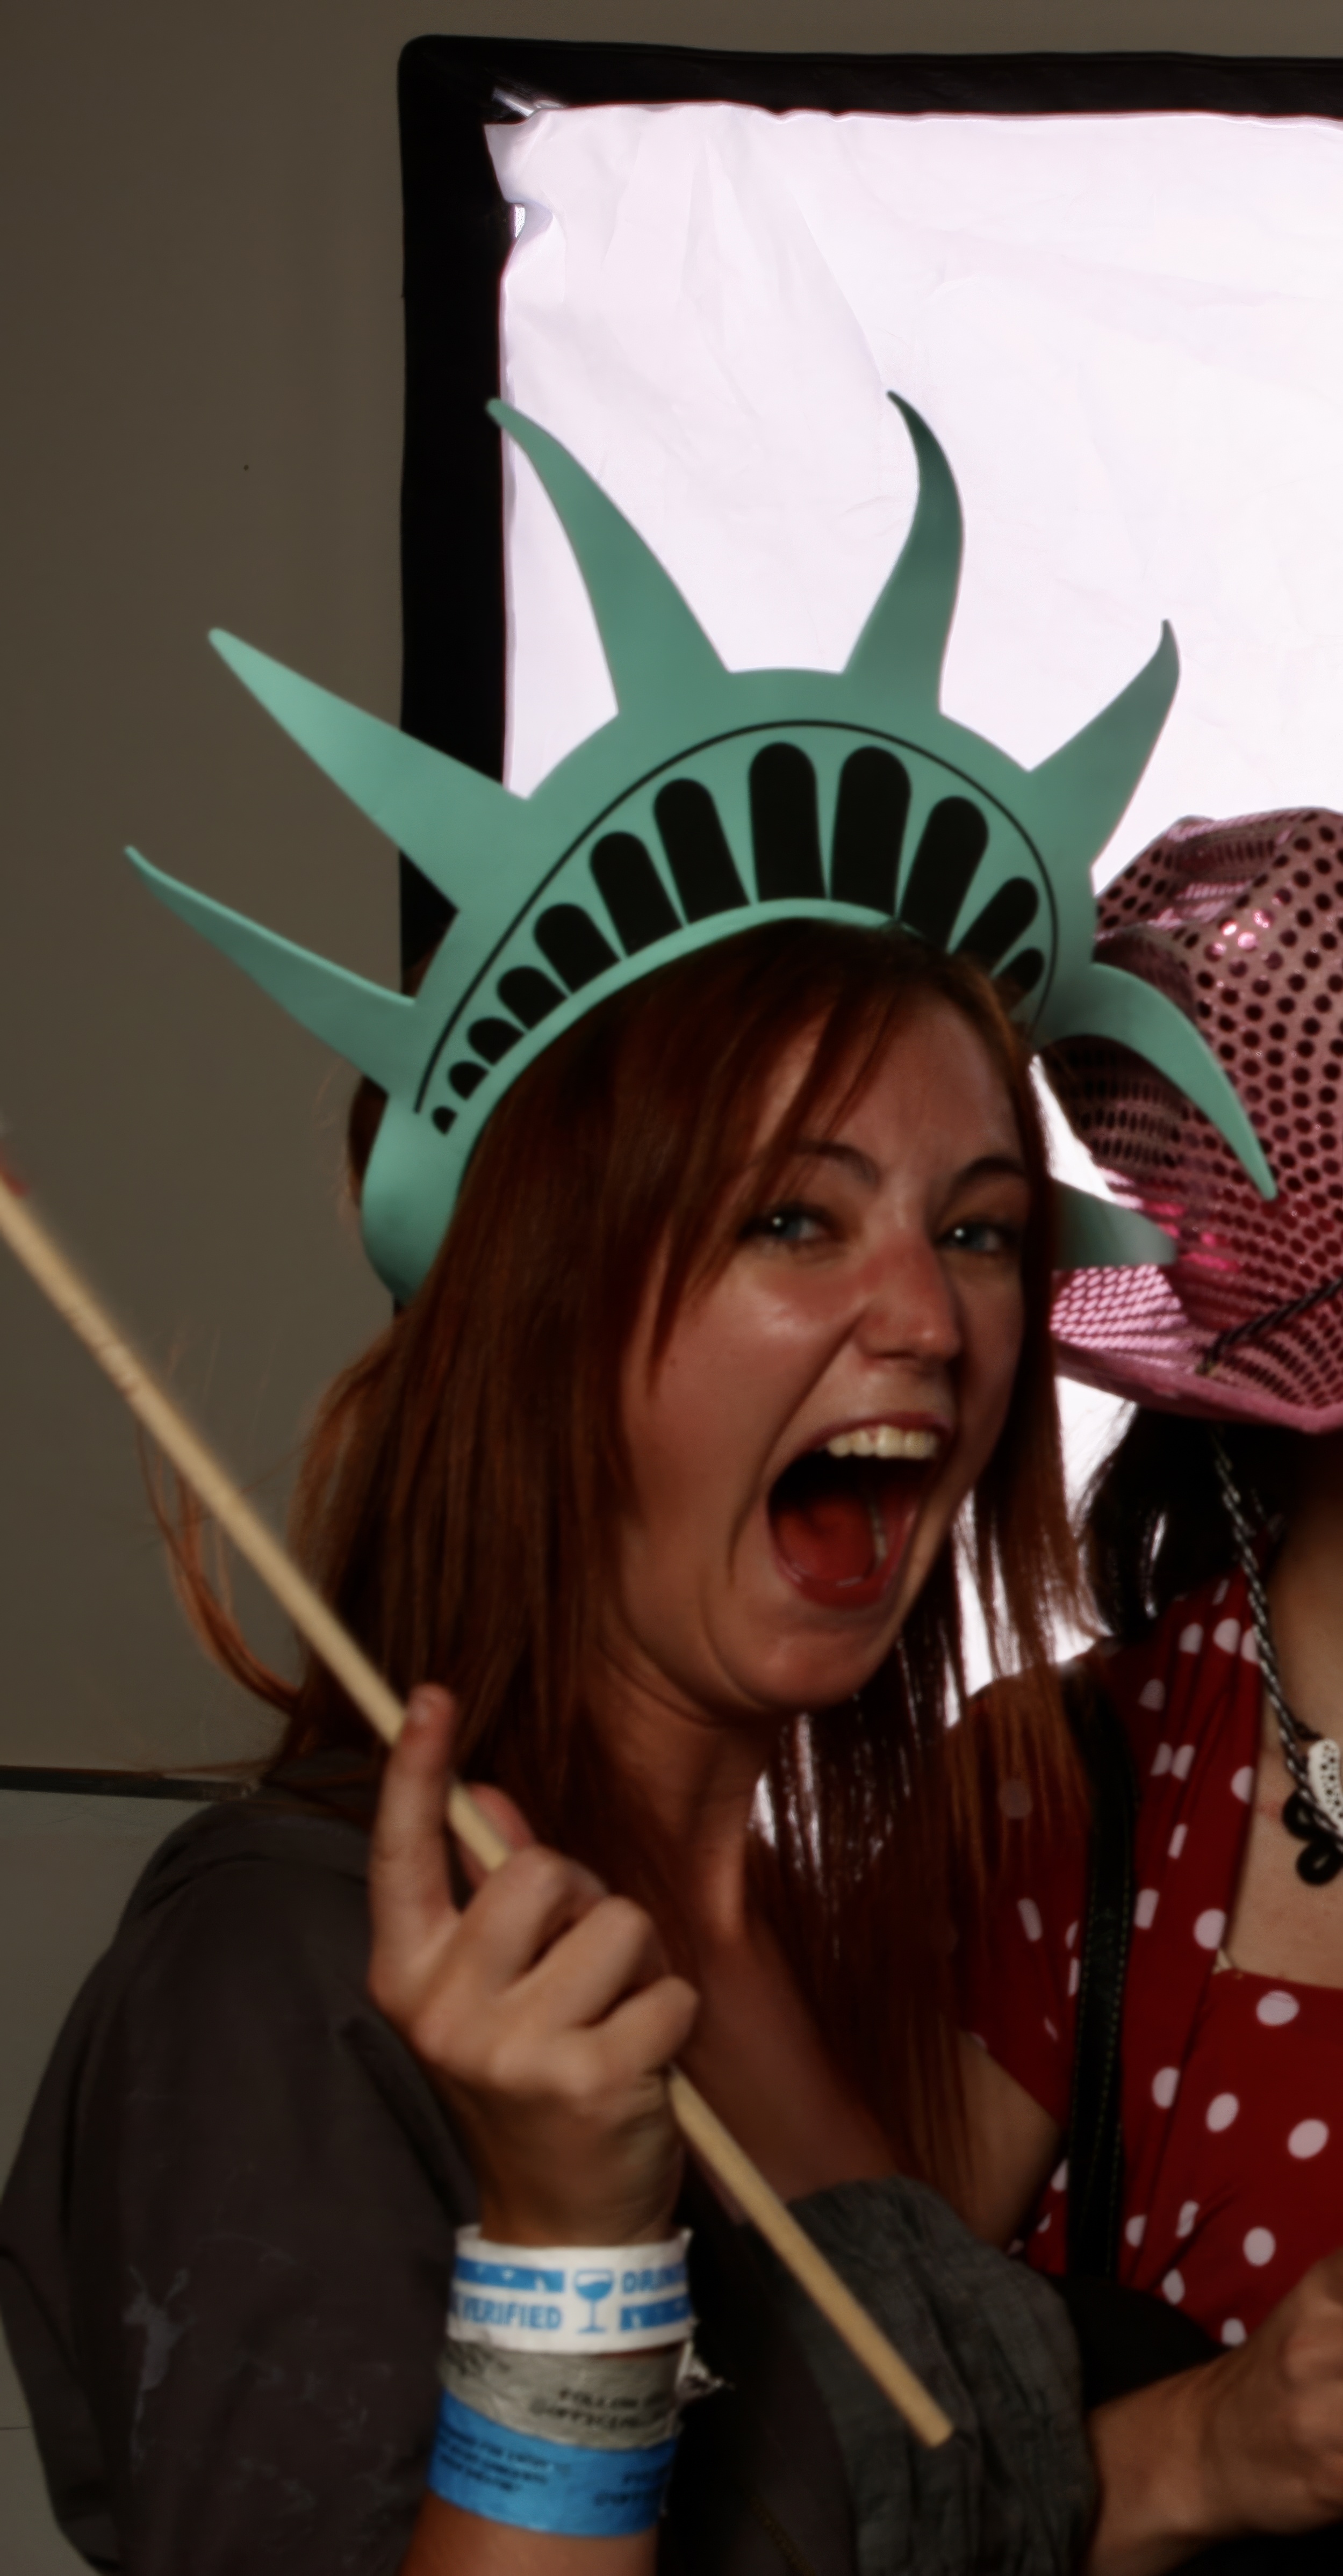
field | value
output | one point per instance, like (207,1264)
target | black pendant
(1322,1858)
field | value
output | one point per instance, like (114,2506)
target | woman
(716,1200)
(1215,1539)
(614,1412)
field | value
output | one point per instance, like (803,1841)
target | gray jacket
(224,2258)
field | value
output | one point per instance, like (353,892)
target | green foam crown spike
(714,799)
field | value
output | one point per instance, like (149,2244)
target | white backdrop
(1125,331)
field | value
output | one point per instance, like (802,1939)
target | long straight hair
(461,1499)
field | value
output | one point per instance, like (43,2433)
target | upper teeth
(883,1441)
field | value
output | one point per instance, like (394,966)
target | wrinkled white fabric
(1123,329)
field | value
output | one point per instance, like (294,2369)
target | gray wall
(201,424)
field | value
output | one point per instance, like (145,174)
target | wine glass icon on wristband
(594,2286)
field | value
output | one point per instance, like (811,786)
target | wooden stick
(57,1277)
(718,2149)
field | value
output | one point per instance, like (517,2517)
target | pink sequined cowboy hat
(1240,924)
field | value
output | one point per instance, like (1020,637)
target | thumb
(1326,2277)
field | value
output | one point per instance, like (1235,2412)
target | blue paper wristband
(535,2485)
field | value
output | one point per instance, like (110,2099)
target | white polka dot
(1184,2224)
(1031,1922)
(1308,2138)
(1071,1935)
(1277,2008)
(1242,1783)
(1183,1762)
(1058,2181)
(1015,1799)
(1249,1647)
(1233,2331)
(1134,2230)
(1209,1928)
(1042,2229)
(1074,1975)
(1165,2086)
(1221,1592)
(1191,1639)
(1050,2027)
(1222,2110)
(1260,2247)
(1152,1695)
(1161,1760)
(1173,2287)
(1226,1634)
(1177,1841)
(1144,1908)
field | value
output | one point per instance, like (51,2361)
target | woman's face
(824,1405)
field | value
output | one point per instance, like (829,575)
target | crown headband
(712,800)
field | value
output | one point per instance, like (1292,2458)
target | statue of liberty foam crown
(711,801)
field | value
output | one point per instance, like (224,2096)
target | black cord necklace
(1314,1811)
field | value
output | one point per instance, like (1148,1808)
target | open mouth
(841,1515)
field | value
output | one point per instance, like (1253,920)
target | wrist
(1206,2471)
(590,2489)
(570,2298)
(531,2217)
(1165,2484)
(506,2223)
(535,2430)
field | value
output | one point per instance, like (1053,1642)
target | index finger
(409,1890)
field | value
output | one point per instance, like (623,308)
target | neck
(1306,1587)
(756,2049)
(696,1774)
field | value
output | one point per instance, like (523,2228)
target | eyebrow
(993,1167)
(987,1167)
(825,1149)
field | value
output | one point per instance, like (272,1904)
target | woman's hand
(1275,2416)
(543,2012)
(1252,2442)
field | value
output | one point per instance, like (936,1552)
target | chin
(821,1671)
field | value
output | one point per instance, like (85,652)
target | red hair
(461,1497)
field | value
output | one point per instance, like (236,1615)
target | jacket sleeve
(260,2192)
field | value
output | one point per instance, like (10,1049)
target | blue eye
(789,1224)
(983,1235)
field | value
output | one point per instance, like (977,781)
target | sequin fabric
(1240,924)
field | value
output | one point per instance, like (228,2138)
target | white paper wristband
(570,2298)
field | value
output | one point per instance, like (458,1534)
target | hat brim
(1166,1389)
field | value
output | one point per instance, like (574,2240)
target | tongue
(828,1536)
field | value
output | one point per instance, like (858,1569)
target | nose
(910,1309)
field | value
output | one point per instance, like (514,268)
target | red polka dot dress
(1232,2084)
